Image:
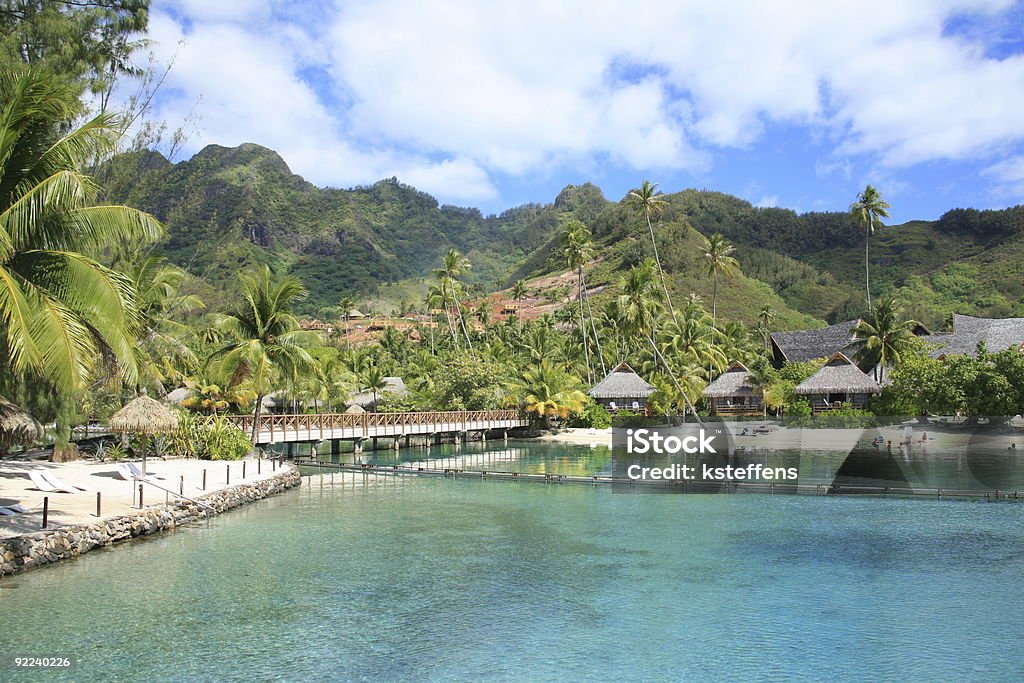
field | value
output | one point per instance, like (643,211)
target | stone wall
(22,553)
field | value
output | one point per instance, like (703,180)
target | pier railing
(356,425)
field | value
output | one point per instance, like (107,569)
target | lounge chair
(43,485)
(125,472)
(16,509)
(137,472)
(56,481)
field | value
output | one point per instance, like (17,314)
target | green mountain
(228,208)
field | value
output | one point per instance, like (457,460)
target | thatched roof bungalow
(394,386)
(968,331)
(838,383)
(804,345)
(733,393)
(623,389)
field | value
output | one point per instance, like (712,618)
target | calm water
(427,579)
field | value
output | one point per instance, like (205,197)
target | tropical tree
(266,342)
(647,201)
(577,251)
(518,294)
(765,319)
(345,306)
(61,310)
(884,337)
(453,265)
(549,391)
(868,210)
(718,261)
(372,379)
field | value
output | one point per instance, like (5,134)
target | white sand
(116,493)
(582,435)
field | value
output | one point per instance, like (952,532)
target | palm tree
(868,210)
(345,306)
(647,201)
(266,340)
(718,260)
(518,294)
(60,309)
(549,391)
(372,379)
(639,307)
(577,250)
(766,317)
(453,265)
(884,337)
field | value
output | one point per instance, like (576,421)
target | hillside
(229,208)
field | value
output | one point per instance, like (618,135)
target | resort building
(840,383)
(733,393)
(803,345)
(623,389)
(367,401)
(968,331)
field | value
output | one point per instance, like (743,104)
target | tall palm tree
(61,310)
(578,250)
(868,210)
(345,306)
(453,265)
(647,201)
(766,317)
(718,260)
(518,294)
(884,337)
(639,307)
(372,379)
(266,342)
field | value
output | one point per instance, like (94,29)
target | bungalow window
(836,398)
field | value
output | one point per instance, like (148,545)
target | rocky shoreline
(22,553)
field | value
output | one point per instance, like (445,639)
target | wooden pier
(275,429)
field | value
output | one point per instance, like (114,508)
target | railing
(737,410)
(360,424)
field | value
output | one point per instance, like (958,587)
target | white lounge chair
(125,472)
(43,485)
(16,509)
(56,481)
(137,472)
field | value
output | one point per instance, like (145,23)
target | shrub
(208,438)
(593,415)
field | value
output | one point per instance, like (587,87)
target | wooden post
(204,480)
(97,503)
(140,496)
(181,486)
(46,510)
(227,476)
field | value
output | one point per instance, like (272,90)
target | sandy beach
(581,435)
(118,496)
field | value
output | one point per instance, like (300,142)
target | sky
(789,103)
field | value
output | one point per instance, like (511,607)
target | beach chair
(137,472)
(56,481)
(43,485)
(125,472)
(16,509)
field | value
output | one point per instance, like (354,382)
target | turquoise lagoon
(439,579)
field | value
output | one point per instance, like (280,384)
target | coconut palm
(373,379)
(345,306)
(884,337)
(453,265)
(718,261)
(868,210)
(647,201)
(765,318)
(518,294)
(549,391)
(578,250)
(639,307)
(60,309)
(267,344)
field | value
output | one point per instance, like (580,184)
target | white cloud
(1009,177)
(448,94)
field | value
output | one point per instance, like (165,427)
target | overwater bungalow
(839,383)
(623,389)
(733,393)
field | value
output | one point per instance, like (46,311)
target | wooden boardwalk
(358,426)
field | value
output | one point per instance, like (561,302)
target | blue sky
(495,104)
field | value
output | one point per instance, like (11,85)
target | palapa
(734,382)
(17,426)
(146,416)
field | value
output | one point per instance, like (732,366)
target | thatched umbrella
(146,416)
(17,426)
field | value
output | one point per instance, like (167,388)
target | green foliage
(593,415)
(468,382)
(207,438)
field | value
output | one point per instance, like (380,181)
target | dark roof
(803,345)
(622,382)
(732,382)
(997,333)
(393,385)
(838,375)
